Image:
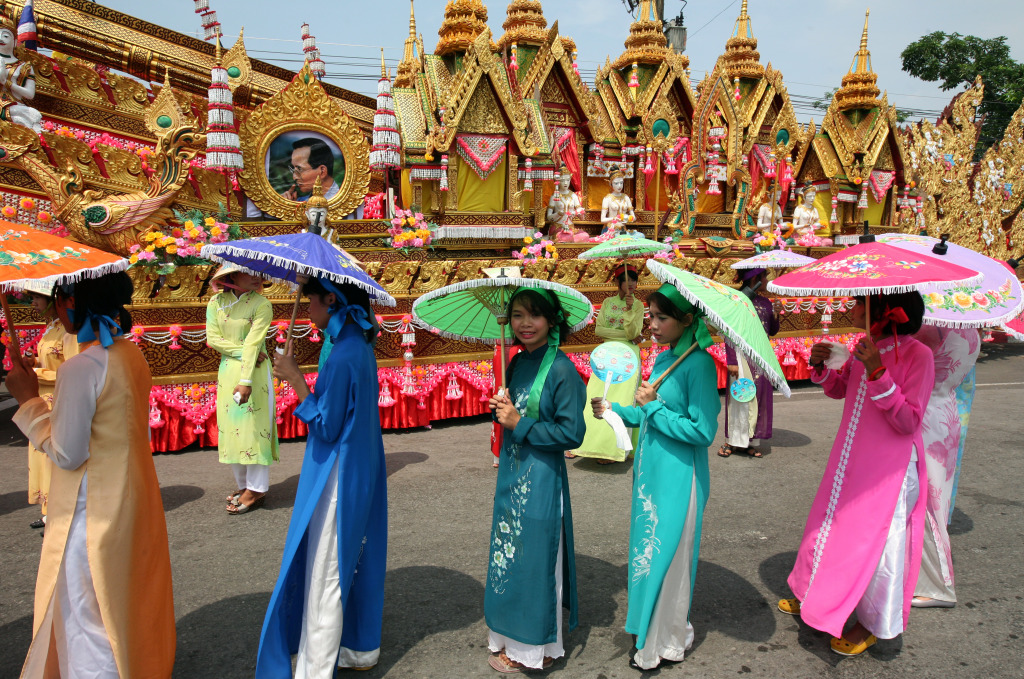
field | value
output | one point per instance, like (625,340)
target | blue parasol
(289,255)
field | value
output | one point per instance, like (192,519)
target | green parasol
(729,311)
(476,310)
(625,245)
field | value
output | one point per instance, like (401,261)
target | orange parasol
(27,254)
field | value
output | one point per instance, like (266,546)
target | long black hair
(911,302)
(539,304)
(107,295)
(353,294)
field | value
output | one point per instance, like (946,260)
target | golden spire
(219,48)
(859,90)
(317,199)
(409,67)
(646,43)
(525,23)
(464,21)
(383,69)
(742,60)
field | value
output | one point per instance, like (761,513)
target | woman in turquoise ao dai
(670,481)
(532,568)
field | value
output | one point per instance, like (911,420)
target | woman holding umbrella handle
(677,414)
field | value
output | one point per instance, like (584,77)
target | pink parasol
(873,269)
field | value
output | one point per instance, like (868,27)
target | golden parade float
(150,143)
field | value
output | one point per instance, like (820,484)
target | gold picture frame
(302,106)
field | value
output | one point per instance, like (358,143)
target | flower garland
(536,247)
(179,245)
(410,230)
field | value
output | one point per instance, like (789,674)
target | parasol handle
(607,384)
(291,323)
(11,332)
(657,382)
(502,322)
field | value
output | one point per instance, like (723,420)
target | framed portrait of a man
(296,137)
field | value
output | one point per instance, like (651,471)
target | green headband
(696,331)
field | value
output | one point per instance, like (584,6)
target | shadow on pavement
(397,461)
(961,523)
(784,438)
(590,464)
(282,494)
(176,496)
(725,602)
(774,571)
(12,502)
(420,601)
(15,638)
(221,639)
(598,582)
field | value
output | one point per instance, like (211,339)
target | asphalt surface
(441,486)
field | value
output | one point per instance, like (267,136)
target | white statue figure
(616,208)
(17,85)
(563,206)
(805,216)
(770,213)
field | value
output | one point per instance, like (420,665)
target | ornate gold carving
(482,114)
(302,105)
(598,272)
(540,269)
(143,280)
(432,275)
(131,95)
(464,21)
(237,57)
(184,284)
(525,23)
(568,271)
(397,276)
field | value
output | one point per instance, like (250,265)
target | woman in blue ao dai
(532,569)
(677,422)
(328,604)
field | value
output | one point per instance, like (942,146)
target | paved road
(440,488)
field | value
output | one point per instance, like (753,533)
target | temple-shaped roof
(741,58)
(412,57)
(464,20)
(859,89)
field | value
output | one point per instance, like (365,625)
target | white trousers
(880,610)
(254,477)
(669,633)
(320,647)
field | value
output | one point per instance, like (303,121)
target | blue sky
(811,43)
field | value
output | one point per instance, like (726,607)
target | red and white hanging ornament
(649,166)
(634,78)
(834,219)
(528,181)
(862,203)
(454,391)
(316,65)
(385,400)
(211,27)
(444,172)
(223,153)
(671,167)
(575,64)
(736,93)
(386,151)
(514,64)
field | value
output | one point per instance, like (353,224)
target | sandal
(754,452)
(502,663)
(789,606)
(725,451)
(844,646)
(605,461)
(239,508)
(570,455)
(233,498)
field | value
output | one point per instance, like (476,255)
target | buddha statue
(805,216)
(616,208)
(563,206)
(770,214)
(17,84)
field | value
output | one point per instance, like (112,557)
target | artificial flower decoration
(410,230)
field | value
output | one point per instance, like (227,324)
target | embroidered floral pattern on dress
(839,476)
(506,545)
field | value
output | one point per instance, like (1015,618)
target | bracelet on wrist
(876,373)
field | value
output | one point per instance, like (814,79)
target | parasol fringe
(716,320)
(476,232)
(865,291)
(512,282)
(73,277)
(216,252)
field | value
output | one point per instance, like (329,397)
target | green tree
(954,60)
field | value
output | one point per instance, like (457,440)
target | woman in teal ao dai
(531,565)
(670,481)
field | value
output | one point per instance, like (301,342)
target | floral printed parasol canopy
(997,298)
(30,255)
(873,269)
